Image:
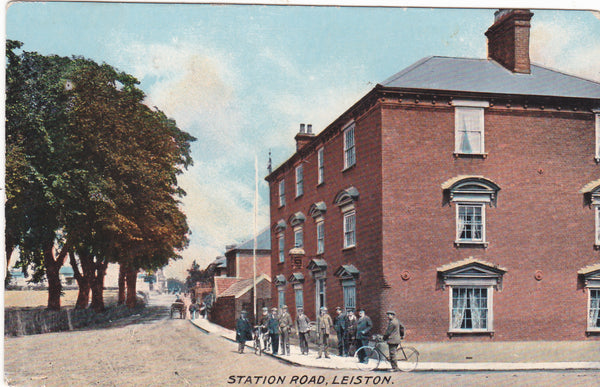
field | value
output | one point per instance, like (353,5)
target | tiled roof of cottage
(488,76)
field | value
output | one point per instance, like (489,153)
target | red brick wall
(540,159)
(245,265)
(365,176)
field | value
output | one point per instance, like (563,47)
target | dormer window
(469,137)
(470,194)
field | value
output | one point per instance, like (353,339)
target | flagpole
(254,248)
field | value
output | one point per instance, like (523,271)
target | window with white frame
(321,237)
(591,196)
(597,228)
(299,181)
(299,296)
(281,296)
(470,194)
(594,309)
(469,127)
(470,308)
(298,237)
(321,166)
(349,229)
(597,115)
(470,221)
(349,290)
(472,283)
(349,147)
(321,295)
(281,242)
(282,193)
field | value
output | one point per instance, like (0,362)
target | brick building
(462,193)
(235,291)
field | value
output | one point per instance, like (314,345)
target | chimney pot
(309,128)
(301,128)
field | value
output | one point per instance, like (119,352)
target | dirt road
(165,352)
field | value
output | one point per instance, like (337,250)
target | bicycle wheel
(409,361)
(366,358)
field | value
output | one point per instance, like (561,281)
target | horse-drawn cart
(178,307)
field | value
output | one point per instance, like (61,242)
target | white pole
(255,215)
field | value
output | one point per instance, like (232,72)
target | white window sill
(467,243)
(471,332)
(473,155)
(348,167)
(592,331)
(349,248)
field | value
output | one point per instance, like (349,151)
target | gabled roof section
(488,76)
(590,187)
(296,278)
(590,270)
(466,179)
(297,218)
(317,265)
(263,242)
(242,287)
(467,263)
(347,272)
(471,272)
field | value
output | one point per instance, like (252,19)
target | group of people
(352,331)
(192,305)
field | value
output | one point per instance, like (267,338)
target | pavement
(457,356)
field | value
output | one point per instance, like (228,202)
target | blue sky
(241,78)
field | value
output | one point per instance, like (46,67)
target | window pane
(349,230)
(594,313)
(299,238)
(349,157)
(282,193)
(469,308)
(320,237)
(469,130)
(350,297)
(299,298)
(470,223)
(281,249)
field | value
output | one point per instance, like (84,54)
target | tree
(93,173)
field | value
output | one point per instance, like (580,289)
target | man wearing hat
(393,334)
(273,328)
(324,325)
(339,323)
(363,331)
(243,331)
(302,327)
(285,327)
(264,320)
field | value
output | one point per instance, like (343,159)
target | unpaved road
(165,352)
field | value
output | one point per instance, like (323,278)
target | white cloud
(566,46)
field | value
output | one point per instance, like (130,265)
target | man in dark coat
(363,330)
(302,327)
(340,328)
(393,334)
(285,327)
(243,331)
(273,328)
(350,337)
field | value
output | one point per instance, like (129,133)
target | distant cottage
(462,193)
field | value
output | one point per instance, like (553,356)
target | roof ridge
(566,74)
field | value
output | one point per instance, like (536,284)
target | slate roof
(263,242)
(488,76)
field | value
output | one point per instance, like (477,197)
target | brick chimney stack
(304,136)
(508,39)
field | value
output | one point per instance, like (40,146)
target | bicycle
(375,356)
(262,340)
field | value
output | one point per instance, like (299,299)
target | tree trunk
(98,286)
(52,273)
(83,296)
(131,278)
(121,297)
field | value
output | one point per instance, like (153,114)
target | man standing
(340,328)
(363,329)
(285,327)
(302,327)
(393,334)
(273,328)
(264,321)
(243,331)
(324,325)
(350,337)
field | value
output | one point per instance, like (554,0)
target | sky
(241,78)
